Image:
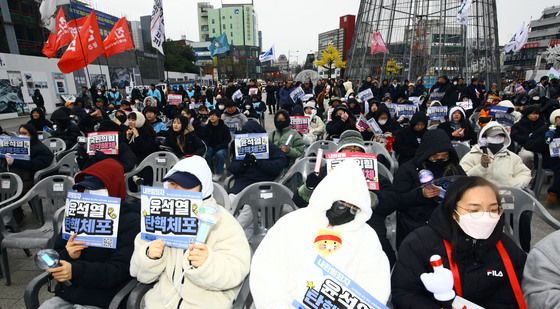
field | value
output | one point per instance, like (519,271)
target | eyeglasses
(478,213)
(341,205)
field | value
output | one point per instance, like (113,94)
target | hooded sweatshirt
(505,168)
(234,121)
(408,140)
(469,136)
(65,130)
(99,273)
(525,128)
(41,124)
(213,285)
(284,265)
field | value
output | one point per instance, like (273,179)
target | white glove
(440,283)
(9,160)
(401,118)
(247,113)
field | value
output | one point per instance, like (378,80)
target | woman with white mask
(316,125)
(482,264)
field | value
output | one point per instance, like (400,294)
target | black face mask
(203,118)
(495,148)
(437,167)
(280,125)
(339,214)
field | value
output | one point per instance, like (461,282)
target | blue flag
(268,55)
(219,45)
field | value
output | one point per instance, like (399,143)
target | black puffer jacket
(408,140)
(475,259)
(413,208)
(525,128)
(216,136)
(41,123)
(65,129)
(336,126)
(450,126)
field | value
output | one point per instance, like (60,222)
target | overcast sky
(293,25)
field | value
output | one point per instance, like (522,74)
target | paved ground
(23,268)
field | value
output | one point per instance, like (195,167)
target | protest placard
(296,94)
(94,218)
(238,95)
(374,126)
(437,113)
(465,105)
(300,123)
(367,161)
(415,100)
(255,143)
(334,289)
(392,107)
(253,91)
(365,95)
(554,148)
(362,124)
(105,142)
(405,110)
(17,147)
(171,215)
(505,119)
(174,99)
(498,109)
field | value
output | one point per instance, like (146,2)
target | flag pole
(88,81)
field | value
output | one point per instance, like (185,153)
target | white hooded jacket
(284,268)
(213,285)
(505,168)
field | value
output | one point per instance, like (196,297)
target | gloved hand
(312,181)
(549,135)
(249,160)
(440,283)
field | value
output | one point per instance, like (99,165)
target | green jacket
(296,145)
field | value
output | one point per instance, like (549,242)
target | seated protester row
(249,170)
(521,132)
(183,140)
(415,202)
(38,120)
(217,137)
(96,274)
(140,136)
(316,125)
(286,138)
(152,119)
(333,227)
(408,139)
(41,158)
(64,128)
(539,142)
(232,118)
(458,127)
(465,231)
(341,120)
(205,275)
(494,161)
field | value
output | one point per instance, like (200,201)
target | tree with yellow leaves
(331,60)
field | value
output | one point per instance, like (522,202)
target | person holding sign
(38,120)
(286,138)
(327,252)
(341,120)
(458,128)
(316,125)
(96,274)
(466,231)
(209,273)
(232,118)
(183,140)
(408,139)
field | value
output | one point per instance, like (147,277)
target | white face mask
(101,192)
(499,139)
(382,122)
(478,228)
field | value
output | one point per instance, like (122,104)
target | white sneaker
(216,178)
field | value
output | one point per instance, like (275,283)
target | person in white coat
(325,252)
(316,125)
(205,275)
(491,159)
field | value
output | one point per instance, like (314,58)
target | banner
(437,113)
(18,147)
(335,291)
(392,107)
(296,94)
(94,218)
(405,110)
(378,44)
(365,95)
(119,40)
(255,143)
(268,55)
(170,215)
(84,48)
(463,12)
(174,99)
(367,161)
(498,109)
(554,148)
(300,123)
(465,105)
(157,26)
(105,142)
(219,45)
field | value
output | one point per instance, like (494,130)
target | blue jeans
(220,156)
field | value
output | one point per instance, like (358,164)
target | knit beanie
(351,138)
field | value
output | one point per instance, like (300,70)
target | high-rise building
(348,23)
(203,8)
(145,24)
(136,33)
(237,21)
(341,38)
(545,32)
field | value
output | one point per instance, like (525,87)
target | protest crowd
(369,194)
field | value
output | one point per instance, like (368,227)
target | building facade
(203,33)
(239,22)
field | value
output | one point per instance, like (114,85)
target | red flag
(60,38)
(49,48)
(84,48)
(119,40)
(378,44)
